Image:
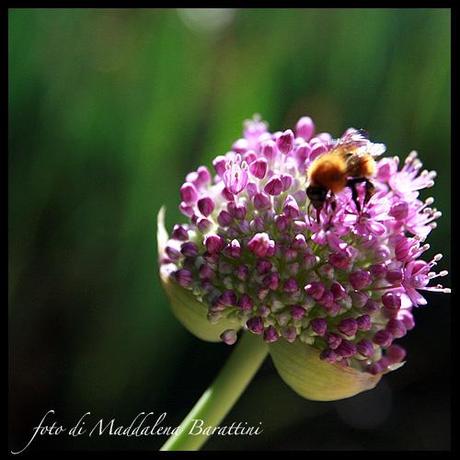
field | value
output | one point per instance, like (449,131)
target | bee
(348,163)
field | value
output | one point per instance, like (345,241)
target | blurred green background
(108,111)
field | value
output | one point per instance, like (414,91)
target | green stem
(219,398)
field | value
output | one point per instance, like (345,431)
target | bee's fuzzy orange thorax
(361,166)
(328,171)
(368,167)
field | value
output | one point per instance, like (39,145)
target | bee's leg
(318,211)
(333,205)
(354,193)
(370,190)
(308,212)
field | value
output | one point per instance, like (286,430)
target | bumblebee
(348,163)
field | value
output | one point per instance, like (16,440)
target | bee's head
(317,195)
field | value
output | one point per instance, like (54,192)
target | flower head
(341,284)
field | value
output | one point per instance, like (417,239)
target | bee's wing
(353,138)
(376,149)
(371,149)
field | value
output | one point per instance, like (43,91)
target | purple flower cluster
(345,283)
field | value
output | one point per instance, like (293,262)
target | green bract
(301,368)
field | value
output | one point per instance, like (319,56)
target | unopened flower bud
(229,336)
(274,186)
(348,326)
(258,168)
(188,193)
(255,325)
(305,128)
(214,244)
(285,141)
(206,205)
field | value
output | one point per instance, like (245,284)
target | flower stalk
(219,398)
